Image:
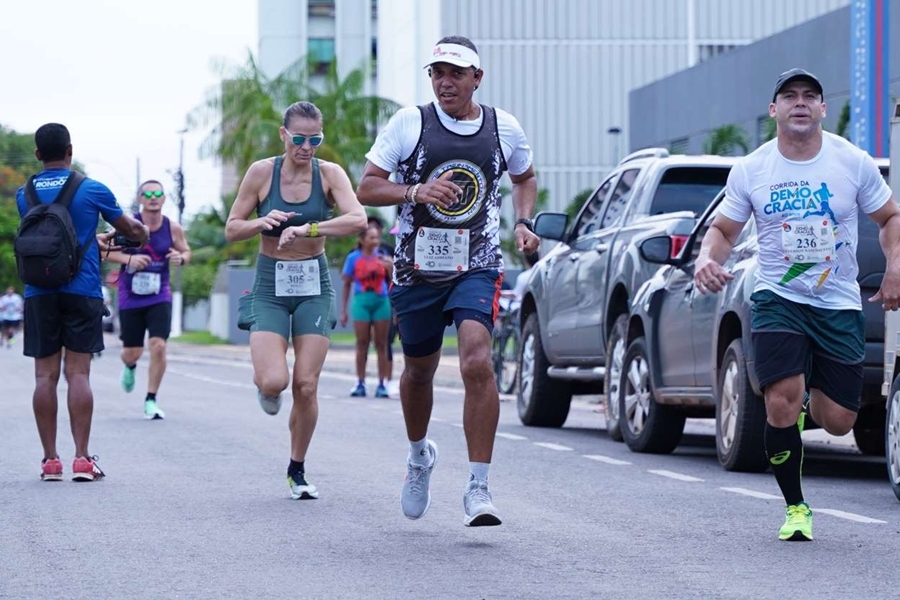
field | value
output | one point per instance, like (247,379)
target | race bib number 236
(809,240)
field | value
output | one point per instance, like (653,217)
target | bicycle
(505,347)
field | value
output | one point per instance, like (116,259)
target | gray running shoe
(270,405)
(416,495)
(480,510)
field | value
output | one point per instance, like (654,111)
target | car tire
(646,426)
(612,382)
(740,416)
(542,401)
(869,430)
(892,436)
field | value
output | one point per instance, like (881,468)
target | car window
(688,188)
(590,216)
(747,232)
(615,207)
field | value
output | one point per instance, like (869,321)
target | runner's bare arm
(238,227)
(888,219)
(524,197)
(709,275)
(375,190)
(180,252)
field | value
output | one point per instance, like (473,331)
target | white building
(562,67)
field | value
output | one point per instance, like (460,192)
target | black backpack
(47,251)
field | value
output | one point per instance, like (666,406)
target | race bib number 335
(440,249)
(809,240)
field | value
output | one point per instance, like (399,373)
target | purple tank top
(150,286)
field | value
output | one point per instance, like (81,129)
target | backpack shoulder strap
(73,182)
(31,198)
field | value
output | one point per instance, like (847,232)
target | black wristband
(528,223)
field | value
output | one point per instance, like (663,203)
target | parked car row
(616,302)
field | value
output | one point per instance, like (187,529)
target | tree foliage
(726,140)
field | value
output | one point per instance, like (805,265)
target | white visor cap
(454,54)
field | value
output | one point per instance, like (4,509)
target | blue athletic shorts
(424,310)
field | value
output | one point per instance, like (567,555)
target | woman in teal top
(292,297)
(369,273)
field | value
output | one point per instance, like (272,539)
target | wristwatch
(528,223)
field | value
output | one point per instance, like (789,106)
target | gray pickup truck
(575,310)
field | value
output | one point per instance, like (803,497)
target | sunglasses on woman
(314,140)
(153,194)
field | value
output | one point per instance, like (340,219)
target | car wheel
(740,416)
(542,401)
(612,382)
(646,426)
(892,436)
(869,430)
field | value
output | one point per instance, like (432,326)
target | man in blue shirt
(70,316)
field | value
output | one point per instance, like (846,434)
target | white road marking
(846,515)
(460,425)
(236,384)
(751,493)
(557,447)
(437,419)
(606,459)
(673,475)
(511,436)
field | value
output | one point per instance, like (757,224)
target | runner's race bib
(297,278)
(809,240)
(145,284)
(442,249)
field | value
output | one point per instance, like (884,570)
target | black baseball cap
(795,75)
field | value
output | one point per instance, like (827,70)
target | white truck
(891,384)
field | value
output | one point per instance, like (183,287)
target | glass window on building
(321,51)
(321,8)
(679,146)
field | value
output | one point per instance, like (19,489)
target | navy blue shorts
(424,310)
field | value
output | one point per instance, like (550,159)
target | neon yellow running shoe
(797,524)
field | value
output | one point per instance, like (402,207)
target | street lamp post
(614,131)
(177,297)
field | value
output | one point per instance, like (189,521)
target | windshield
(688,188)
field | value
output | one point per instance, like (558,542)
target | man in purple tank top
(145,298)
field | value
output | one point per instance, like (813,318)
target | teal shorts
(370,307)
(288,316)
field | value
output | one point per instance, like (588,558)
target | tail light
(678,242)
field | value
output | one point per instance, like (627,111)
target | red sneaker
(51,469)
(86,469)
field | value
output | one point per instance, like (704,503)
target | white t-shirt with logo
(806,214)
(399,137)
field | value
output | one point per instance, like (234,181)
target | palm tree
(724,140)
(243,114)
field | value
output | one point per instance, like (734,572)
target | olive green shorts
(288,316)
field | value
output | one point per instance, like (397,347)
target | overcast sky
(122,76)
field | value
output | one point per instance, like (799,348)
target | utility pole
(177,297)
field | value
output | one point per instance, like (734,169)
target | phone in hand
(124,242)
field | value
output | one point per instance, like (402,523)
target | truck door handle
(574,256)
(601,248)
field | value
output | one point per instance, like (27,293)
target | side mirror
(551,225)
(657,250)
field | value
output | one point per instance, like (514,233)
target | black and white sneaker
(301,489)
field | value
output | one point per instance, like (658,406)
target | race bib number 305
(440,249)
(297,278)
(809,240)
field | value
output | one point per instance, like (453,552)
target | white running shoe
(270,405)
(479,505)
(416,495)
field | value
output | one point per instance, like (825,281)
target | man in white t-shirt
(805,189)
(449,156)
(11,307)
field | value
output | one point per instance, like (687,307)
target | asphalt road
(196,506)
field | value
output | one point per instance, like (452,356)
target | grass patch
(199,337)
